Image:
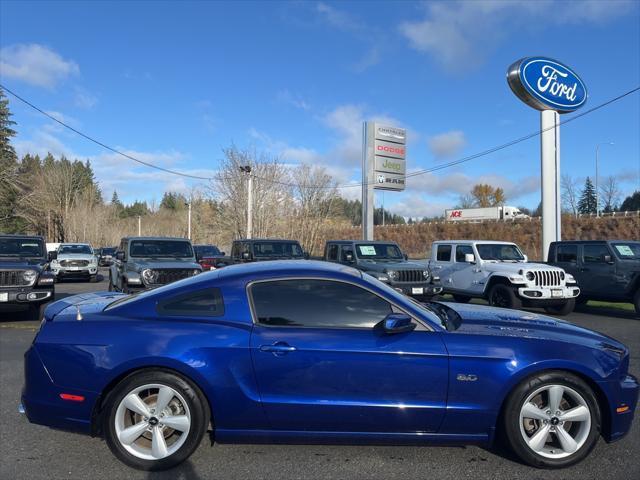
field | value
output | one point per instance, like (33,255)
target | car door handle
(278,348)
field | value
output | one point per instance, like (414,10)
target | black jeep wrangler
(24,275)
(260,249)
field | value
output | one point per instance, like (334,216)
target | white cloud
(460,34)
(35,64)
(337,18)
(285,96)
(416,206)
(84,99)
(447,144)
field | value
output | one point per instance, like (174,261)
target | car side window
(316,303)
(201,303)
(594,253)
(567,254)
(443,253)
(346,250)
(235,251)
(461,251)
(332,253)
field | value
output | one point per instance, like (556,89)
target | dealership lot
(30,451)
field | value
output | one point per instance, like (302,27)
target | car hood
(14,263)
(484,320)
(378,266)
(514,267)
(76,256)
(159,263)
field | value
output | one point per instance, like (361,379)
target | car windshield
(277,249)
(499,252)
(160,248)
(75,249)
(108,251)
(379,251)
(21,247)
(627,250)
(207,250)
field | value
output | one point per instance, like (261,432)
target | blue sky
(175,82)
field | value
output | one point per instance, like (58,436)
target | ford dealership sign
(545,84)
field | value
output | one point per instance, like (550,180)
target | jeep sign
(545,84)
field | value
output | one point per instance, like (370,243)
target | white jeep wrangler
(499,272)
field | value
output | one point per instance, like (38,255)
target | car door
(597,275)
(466,277)
(322,365)
(442,263)
(567,259)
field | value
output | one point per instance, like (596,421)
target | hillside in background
(416,239)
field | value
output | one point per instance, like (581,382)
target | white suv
(500,273)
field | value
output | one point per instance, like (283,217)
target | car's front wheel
(504,296)
(154,420)
(563,309)
(552,420)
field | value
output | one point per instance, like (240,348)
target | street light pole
(139,227)
(597,191)
(247,169)
(189,221)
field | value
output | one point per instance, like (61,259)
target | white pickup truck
(500,273)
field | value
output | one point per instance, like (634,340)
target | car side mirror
(198,257)
(223,253)
(52,256)
(348,258)
(405,256)
(607,259)
(525,259)
(246,256)
(469,258)
(306,255)
(397,323)
(120,256)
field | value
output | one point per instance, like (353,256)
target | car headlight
(425,273)
(54,262)
(393,275)
(29,275)
(562,276)
(149,276)
(196,271)
(530,276)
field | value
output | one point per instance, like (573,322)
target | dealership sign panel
(386,152)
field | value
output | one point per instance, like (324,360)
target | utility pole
(247,169)
(597,191)
(188,204)
(139,227)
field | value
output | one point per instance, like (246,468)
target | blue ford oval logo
(546,84)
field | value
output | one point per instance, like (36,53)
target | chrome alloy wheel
(152,421)
(555,421)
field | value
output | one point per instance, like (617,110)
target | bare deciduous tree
(610,194)
(570,193)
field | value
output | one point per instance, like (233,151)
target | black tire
(194,398)
(461,298)
(93,278)
(504,296)
(36,311)
(565,309)
(511,428)
(581,300)
(110,284)
(636,301)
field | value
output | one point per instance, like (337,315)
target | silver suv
(75,260)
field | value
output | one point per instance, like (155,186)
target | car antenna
(78,315)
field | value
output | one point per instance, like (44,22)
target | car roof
(586,242)
(157,238)
(74,243)
(287,268)
(266,240)
(455,242)
(368,242)
(18,235)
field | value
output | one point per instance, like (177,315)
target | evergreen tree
(587,202)
(7,152)
(173,201)
(631,203)
(9,179)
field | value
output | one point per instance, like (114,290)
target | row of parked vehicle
(498,272)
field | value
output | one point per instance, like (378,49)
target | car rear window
(200,303)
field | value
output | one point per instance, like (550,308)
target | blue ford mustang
(312,352)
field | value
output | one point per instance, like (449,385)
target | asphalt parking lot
(35,452)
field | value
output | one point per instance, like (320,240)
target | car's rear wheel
(636,301)
(563,309)
(155,420)
(503,296)
(552,420)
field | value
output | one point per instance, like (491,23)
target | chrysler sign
(546,84)
(386,153)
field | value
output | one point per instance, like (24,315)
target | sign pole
(550,178)
(367,181)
